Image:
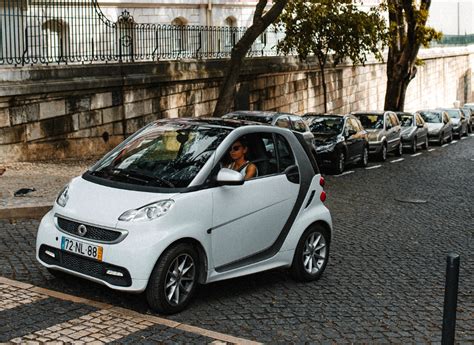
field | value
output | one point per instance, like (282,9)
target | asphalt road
(394,225)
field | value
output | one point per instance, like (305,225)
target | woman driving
(239,163)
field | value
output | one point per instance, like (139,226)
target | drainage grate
(412,201)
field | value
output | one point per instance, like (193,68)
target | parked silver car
(384,132)
(470,106)
(469,117)
(458,120)
(414,131)
(440,126)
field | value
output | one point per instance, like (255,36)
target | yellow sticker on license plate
(81,248)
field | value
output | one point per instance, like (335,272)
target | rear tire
(311,254)
(174,279)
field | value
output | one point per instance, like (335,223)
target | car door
(350,139)
(422,129)
(393,135)
(359,139)
(248,218)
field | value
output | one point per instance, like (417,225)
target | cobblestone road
(384,281)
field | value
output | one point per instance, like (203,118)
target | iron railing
(77,31)
(457,40)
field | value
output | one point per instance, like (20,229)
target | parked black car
(340,140)
(414,131)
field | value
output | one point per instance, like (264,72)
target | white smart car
(162,212)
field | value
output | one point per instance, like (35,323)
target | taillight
(322,182)
(322,197)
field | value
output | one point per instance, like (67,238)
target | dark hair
(243,141)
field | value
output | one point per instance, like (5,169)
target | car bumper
(326,158)
(375,147)
(116,270)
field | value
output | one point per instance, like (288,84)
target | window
(298,125)
(353,123)
(388,123)
(419,120)
(283,122)
(230,32)
(179,34)
(394,120)
(284,154)
(56,39)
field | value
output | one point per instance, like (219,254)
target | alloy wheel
(340,163)
(413,145)
(180,279)
(365,157)
(384,152)
(314,253)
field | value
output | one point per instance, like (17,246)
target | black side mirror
(350,132)
(420,125)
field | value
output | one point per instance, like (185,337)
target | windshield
(453,113)
(326,125)
(430,116)
(406,120)
(371,121)
(162,155)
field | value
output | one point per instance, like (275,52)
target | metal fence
(76,31)
(458,40)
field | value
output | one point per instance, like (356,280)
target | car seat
(259,155)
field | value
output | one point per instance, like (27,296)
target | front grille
(93,232)
(80,264)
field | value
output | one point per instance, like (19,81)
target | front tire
(383,153)
(426,144)
(364,161)
(339,164)
(414,145)
(399,151)
(311,254)
(174,279)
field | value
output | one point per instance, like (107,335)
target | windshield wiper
(139,176)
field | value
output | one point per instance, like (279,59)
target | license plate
(81,248)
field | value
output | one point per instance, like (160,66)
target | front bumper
(375,147)
(117,257)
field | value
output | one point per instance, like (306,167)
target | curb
(220,338)
(27,212)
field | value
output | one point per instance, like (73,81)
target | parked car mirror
(229,177)
(420,125)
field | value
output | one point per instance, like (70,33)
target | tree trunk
(239,51)
(325,91)
(403,51)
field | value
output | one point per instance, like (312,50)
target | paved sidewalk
(33,314)
(46,177)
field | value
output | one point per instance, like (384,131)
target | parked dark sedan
(414,131)
(440,127)
(340,140)
(469,119)
(470,106)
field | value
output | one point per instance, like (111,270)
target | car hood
(455,121)
(433,127)
(374,134)
(324,139)
(90,202)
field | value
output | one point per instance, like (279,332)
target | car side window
(299,125)
(355,125)
(348,127)
(283,122)
(285,154)
(419,120)
(388,122)
(394,120)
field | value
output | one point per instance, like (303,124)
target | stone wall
(76,111)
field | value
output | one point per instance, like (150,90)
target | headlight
(148,212)
(63,196)
(324,148)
